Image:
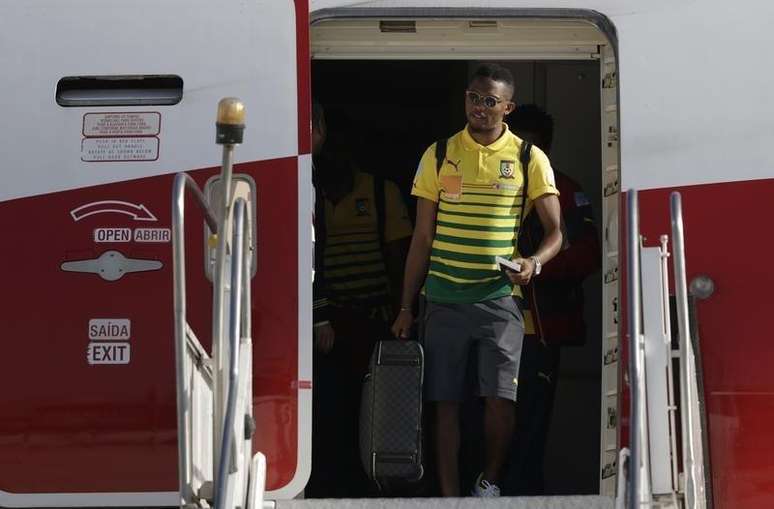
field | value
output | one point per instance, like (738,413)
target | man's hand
(324,337)
(522,277)
(402,326)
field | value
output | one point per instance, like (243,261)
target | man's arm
(324,335)
(417,262)
(395,256)
(581,254)
(396,233)
(581,259)
(549,213)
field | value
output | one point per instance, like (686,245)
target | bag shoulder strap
(440,154)
(524,158)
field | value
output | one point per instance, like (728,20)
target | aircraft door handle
(111,265)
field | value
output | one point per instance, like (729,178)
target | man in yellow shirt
(468,212)
(366,236)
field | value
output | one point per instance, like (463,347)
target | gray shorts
(494,327)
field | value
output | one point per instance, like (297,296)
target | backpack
(524,158)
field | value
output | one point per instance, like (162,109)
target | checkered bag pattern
(391,412)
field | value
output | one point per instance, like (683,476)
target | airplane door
(87,406)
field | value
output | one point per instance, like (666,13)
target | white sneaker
(484,488)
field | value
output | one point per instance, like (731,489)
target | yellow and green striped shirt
(355,270)
(479,193)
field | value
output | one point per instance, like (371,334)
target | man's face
(482,116)
(318,136)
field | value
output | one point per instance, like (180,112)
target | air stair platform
(557,502)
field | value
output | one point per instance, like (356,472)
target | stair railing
(184,336)
(691,431)
(639,493)
(239,332)
(215,461)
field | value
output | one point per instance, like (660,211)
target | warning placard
(122,124)
(119,149)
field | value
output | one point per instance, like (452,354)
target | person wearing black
(556,301)
(324,334)
(362,231)
(324,409)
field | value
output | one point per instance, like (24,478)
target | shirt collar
(470,144)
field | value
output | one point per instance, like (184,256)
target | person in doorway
(556,302)
(324,408)
(469,212)
(324,334)
(367,230)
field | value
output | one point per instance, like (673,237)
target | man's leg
(447,343)
(499,334)
(356,334)
(447,436)
(547,378)
(322,480)
(519,477)
(499,422)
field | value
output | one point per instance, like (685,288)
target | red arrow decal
(137,212)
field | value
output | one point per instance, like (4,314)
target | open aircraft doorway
(392,87)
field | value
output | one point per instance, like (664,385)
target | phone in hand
(506,264)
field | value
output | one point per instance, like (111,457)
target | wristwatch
(538,265)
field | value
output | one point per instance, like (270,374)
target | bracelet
(405,308)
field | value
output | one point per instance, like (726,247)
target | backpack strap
(379,205)
(440,154)
(524,157)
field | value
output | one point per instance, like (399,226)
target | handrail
(247,273)
(235,334)
(687,376)
(184,179)
(182,183)
(639,470)
(218,308)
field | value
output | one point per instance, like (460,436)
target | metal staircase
(653,477)
(214,391)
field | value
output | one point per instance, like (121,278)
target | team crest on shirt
(507,169)
(361,207)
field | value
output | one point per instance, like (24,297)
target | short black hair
(494,72)
(532,118)
(317,114)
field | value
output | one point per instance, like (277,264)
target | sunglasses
(489,101)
